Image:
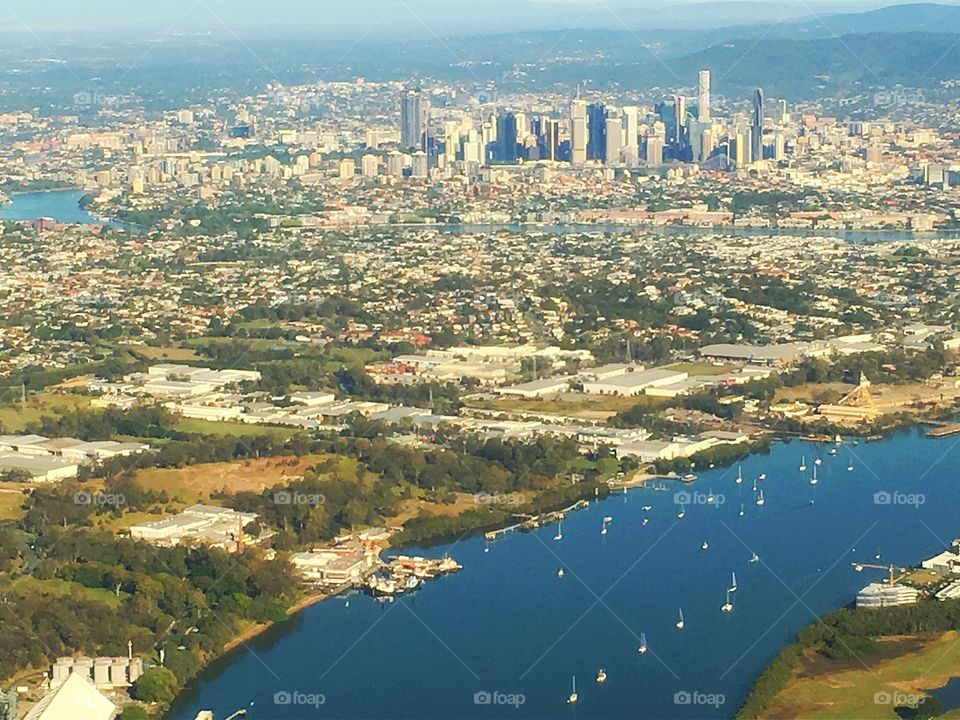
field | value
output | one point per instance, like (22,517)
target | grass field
(208,427)
(63,588)
(694,369)
(13,418)
(196,483)
(10,502)
(164,354)
(819,691)
(575,404)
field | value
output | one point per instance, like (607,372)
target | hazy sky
(385,16)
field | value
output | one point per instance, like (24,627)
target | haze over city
(429,359)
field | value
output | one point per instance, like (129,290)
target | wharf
(944,430)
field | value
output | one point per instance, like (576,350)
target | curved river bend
(508,624)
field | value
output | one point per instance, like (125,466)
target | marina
(539,598)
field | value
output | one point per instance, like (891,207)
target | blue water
(61,205)
(508,624)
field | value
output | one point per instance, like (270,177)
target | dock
(944,430)
(528,523)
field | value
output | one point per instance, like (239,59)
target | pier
(944,430)
(532,522)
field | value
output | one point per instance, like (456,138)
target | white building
(76,698)
(877,595)
(634,383)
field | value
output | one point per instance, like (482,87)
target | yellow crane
(891,570)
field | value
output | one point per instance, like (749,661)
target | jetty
(528,523)
(943,430)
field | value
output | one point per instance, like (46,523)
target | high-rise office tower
(597,132)
(411,119)
(679,118)
(654,154)
(631,132)
(631,126)
(614,138)
(706,144)
(784,115)
(703,100)
(506,142)
(578,132)
(756,129)
(550,139)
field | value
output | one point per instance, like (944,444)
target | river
(508,624)
(61,205)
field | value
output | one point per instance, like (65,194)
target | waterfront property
(204,524)
(877,595)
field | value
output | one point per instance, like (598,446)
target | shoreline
(639,479)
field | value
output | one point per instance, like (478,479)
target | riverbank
(907,670)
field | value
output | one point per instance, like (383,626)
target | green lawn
(695,369)
(852,693)
(63,588)
(13,418)
(208,427)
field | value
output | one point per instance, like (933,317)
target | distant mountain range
(835,56)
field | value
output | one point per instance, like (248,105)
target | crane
(891,570)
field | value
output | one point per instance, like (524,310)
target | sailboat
(763,476)
(645,519)
(818,461)
(754,485)
(803,463)
(643,644)
(741,510)
(647,508)
(680,621)
(681,513)
(705,545)
(559,535)
(760,500)
(733,583)
(727,606)
(573,697)
(850,468)
(754,558)
(813,480)
(560,572)
(739,475)
(601,676)
(603,529)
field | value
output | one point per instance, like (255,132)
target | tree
(133,712)
(157,684)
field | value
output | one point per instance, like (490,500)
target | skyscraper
(631,131)
(614,138)
(679,118)
(550,139)
(506,142)
(411,119)
(703,101)
(756,129)
(597,132)
(578,132)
